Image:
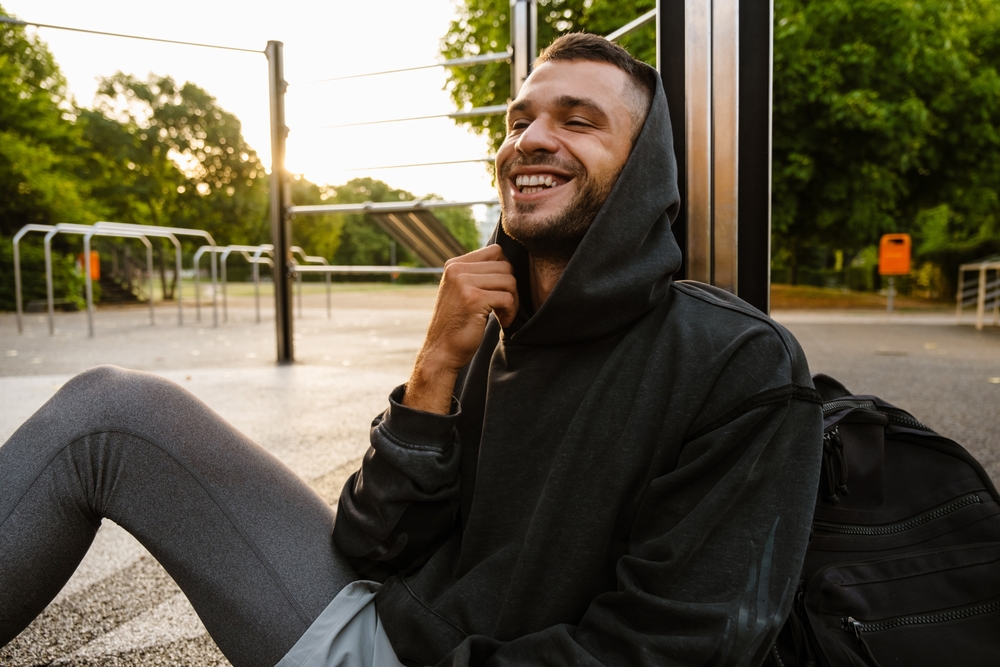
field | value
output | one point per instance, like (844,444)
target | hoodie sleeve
(715,551)
(404,500)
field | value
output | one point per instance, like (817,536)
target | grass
(800,297)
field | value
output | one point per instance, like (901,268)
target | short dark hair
(594,48)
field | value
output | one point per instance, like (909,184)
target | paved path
(120,608)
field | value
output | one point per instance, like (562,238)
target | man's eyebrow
(566,102)
(570,102)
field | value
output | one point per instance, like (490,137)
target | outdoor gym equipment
(171,232)
(981,288)
(87,231)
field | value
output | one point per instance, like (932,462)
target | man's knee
(111,389)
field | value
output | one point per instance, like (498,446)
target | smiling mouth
(531,183)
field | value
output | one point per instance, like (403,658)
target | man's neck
(545,273)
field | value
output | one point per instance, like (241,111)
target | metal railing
(982,288)
(176,231)
(87,231)
(312,259)
(113,230)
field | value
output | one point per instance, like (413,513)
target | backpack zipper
(899,417)
(833,406)
(900,526)
(905,420)
(856,627)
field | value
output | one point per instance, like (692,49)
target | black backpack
(903,563)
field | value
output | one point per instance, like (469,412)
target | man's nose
(539,136)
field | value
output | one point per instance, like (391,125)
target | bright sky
(322,40)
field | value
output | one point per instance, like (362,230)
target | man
(590,464)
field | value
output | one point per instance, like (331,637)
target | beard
(554,238)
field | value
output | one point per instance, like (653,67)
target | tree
(168,155)
(483,26)
(886,117)
(225,185)
(39,138)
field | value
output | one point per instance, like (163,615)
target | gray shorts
(347,634)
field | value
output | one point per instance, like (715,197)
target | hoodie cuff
(419,428)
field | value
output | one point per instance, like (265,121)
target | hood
(625,262)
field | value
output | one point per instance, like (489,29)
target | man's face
(569,133)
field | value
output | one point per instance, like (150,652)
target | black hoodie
(627,476)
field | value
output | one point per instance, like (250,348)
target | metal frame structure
(983,290)
(312,259)
(172,233)
(17,268)
(225,251)
(87,231)
(715,60)
(147,231)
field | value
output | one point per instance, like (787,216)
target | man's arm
(472,287)
(404,500)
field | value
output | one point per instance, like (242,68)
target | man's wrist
(430,387)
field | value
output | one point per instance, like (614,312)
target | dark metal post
(670,62)
(281,233)
(695,57)
(756,66)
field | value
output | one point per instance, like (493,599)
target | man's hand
(472,286)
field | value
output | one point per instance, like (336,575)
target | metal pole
(725,143)
(90,285)
(981,299)
(180,286)
(281,233)
(149,282)
(523,41)
(49,290)
(17,283)
(892,289)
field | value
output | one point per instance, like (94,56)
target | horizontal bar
(494,110)
(13,21)
(632,25)
(346,270)
(419,164)
(385,207)
(493,57)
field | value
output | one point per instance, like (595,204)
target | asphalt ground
(121,608)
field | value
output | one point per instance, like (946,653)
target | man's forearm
(430,386)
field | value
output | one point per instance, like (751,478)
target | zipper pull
(853,626)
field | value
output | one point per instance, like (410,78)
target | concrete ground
(121,608)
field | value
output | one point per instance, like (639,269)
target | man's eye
(519,124)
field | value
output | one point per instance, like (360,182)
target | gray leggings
(245,539)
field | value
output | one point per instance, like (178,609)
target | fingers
(485,270)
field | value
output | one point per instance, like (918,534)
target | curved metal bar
(17,267)
(183,231)
(87,231)
(158,232)
(122,233)
(312,259)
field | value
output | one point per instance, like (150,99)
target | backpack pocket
(930,608)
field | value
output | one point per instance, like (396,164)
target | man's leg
(246,540)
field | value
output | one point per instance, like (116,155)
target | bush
(67,280)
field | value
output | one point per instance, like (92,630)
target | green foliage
(38,139)
(886,118)
(483,26)
(67,280)
(176,158)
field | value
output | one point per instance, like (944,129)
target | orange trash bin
(894,255)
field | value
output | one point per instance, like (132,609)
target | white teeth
(535,182)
